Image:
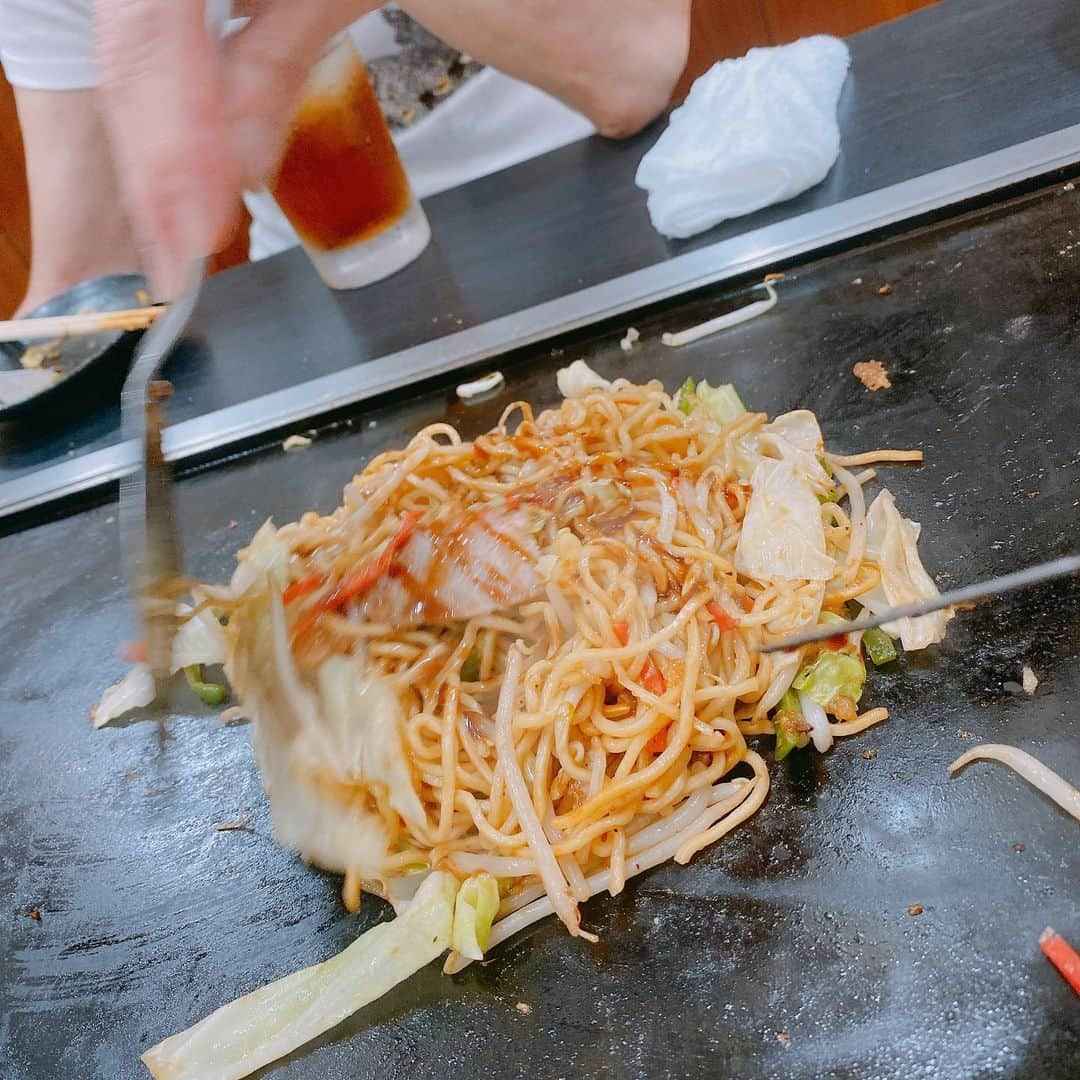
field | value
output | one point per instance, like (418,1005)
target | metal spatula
(151,541)
(980,590)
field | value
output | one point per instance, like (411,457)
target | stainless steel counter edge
(753,250)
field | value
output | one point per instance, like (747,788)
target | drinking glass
(340,181)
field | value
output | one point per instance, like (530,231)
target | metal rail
(755,250)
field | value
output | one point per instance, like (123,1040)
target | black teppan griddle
(786,950)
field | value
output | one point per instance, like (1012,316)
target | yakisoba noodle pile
(599,727)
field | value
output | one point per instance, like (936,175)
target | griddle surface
(796,923)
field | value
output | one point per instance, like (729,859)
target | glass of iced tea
(340,181)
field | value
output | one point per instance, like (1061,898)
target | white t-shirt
(49,44)
(489,123)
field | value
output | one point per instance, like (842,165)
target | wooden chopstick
(58,326)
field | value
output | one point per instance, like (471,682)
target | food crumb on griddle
(915,909)
(233,524)
(478,387)
(524,1008)
(231,826)
(783,1037)
(1029,680)
(963,733)
(885,290)
(1033,494)
(872,374)
(294,443)
(1018,848)
(630,340)
(35,914)
(869,753)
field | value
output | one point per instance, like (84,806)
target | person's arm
(78,224)
(77,218)
(616,61)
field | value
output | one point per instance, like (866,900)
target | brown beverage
(340,179)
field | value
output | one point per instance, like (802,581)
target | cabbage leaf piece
(475,911)
(274,1020)
(579,379)
(782,534)
(833,674)
(892,543)
(199,640)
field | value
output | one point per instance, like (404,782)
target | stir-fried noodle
(568,628)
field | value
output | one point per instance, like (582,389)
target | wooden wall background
(720,28)
(14,207)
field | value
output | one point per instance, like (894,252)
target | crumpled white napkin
(752,132)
